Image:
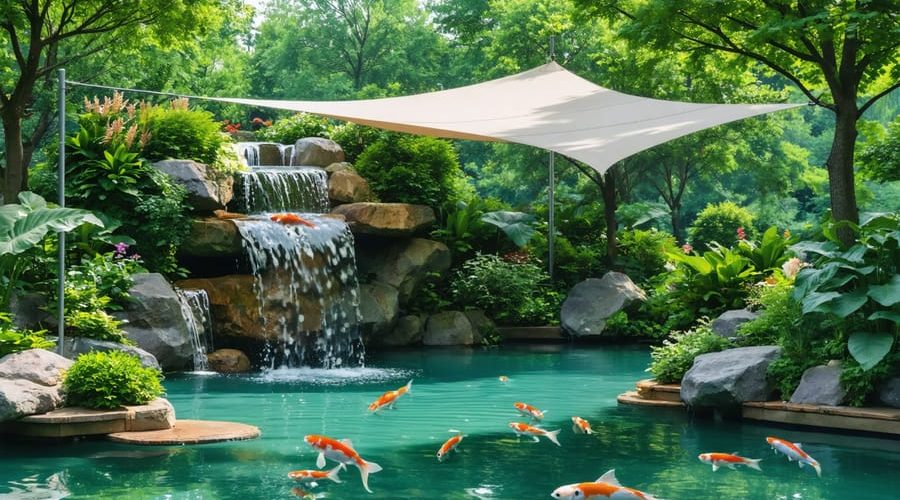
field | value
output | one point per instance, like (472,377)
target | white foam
(330,376)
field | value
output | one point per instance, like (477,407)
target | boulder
(821,385)
(29,311)
(407,331)
(155,322)
(206,190)
(724,380)
(339,167)
(38,366)
(591,302)
(228,361)
(727,323)
(386,219)
(31,383)
(270,154)
(403,264)
(378,307)
(449,328)
(889,392)
(481,323)
(347,186)
(317,152)
(212,237)
(76,346)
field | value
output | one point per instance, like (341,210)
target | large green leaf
(846,304)
(826,248)
(888,315)
(887,294)
(868,348)
(516,225)
(816,301)
(22,226)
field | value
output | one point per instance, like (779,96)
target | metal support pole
(61,188)
(551,214)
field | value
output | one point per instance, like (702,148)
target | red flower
(687,248)
(741,234)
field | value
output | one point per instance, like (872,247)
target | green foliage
(107,380)
(880,159)
(97,325)
(621,325)
(431,297)
(713,282)
(769,254)
(675,357)
(511,294)
(298,126)
(644,253)
(105,275)
(410,169)
(779,317)
(182,133)
(354,139)
(719,223)
(861,383)
(13,340)
(517,226)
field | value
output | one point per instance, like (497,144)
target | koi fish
(301,493)
(311,476)
(390,398)
(529,411)
(343,453)
(794,452)
(606,486)
(581,426)
(448,446)
(729,460)
(289,218)
(524,429)
(503,379)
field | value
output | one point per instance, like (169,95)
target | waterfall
(284,188)
(195,311)
(307,290)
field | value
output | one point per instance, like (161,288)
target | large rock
(31,383)
(727,323)
(449,328)
(228,361)
(347,186)
(724,380)
(378,307)
(591,302)
(206,190)
(403,264)
(889,392)
(317,152)
(339,167)
(386,219)
(408,331)
(29,311)
(212,237)
(155,322)
(821,385)
(76,346)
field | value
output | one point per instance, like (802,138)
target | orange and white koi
(606,486)
(729,460)
(448,446)
(311,476)
(581,426)
(529,411)
(343,453)
(389,398)
(290,218)
(522,429)
(301,493)
(794,452)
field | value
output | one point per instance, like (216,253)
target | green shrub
(289,130)
(179,132)
(410,169)
(675,357)
(621,325)
(719,222)
(511,294)
(97,325)
(13,340)
(713,282)
(769,253)
(106,380)
(778,319)
(643,253)
(104,275)
(354,139)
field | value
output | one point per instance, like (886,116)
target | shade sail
(547,107)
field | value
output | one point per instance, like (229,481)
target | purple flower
(121,249)
(135,256)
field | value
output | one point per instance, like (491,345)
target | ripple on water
(331,376)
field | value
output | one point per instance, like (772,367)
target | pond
(652,450)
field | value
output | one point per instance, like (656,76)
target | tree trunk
(675,211)
(14,173)
(840,169)
(608,190)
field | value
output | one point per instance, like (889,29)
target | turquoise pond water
(652,450)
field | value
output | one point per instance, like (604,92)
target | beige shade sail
(546,107)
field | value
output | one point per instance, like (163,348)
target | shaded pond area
(652,450)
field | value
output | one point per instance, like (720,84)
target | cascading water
(305,275)
(195,311)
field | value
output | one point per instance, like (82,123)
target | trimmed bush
(675,357)
(107,380)
(179,132)
(288,130)
(97,325)
(644,252)
(719,222)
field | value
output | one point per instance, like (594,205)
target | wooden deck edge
(633,398)
(823,420)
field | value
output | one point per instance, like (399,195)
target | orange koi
(581,426)
(529,411)
(389,398)
(606,486)
(729,460)
(522,429)
(343,453)
(290,218)
(793,452)
(311,476)
(448,446)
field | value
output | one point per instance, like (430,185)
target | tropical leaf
(868,348)
(825,248)
(22,227)
(815,301)
(888,315)
(846,304)
(516,225)
(887,294)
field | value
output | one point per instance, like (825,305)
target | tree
(834,52)
(39,36)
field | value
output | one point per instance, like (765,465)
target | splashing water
(284,188)
(195,311)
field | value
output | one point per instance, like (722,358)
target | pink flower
(121,249)
(687,248)
(741,234)
(791,267)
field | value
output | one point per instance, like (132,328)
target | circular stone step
(190,432)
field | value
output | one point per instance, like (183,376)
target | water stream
(195,311)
